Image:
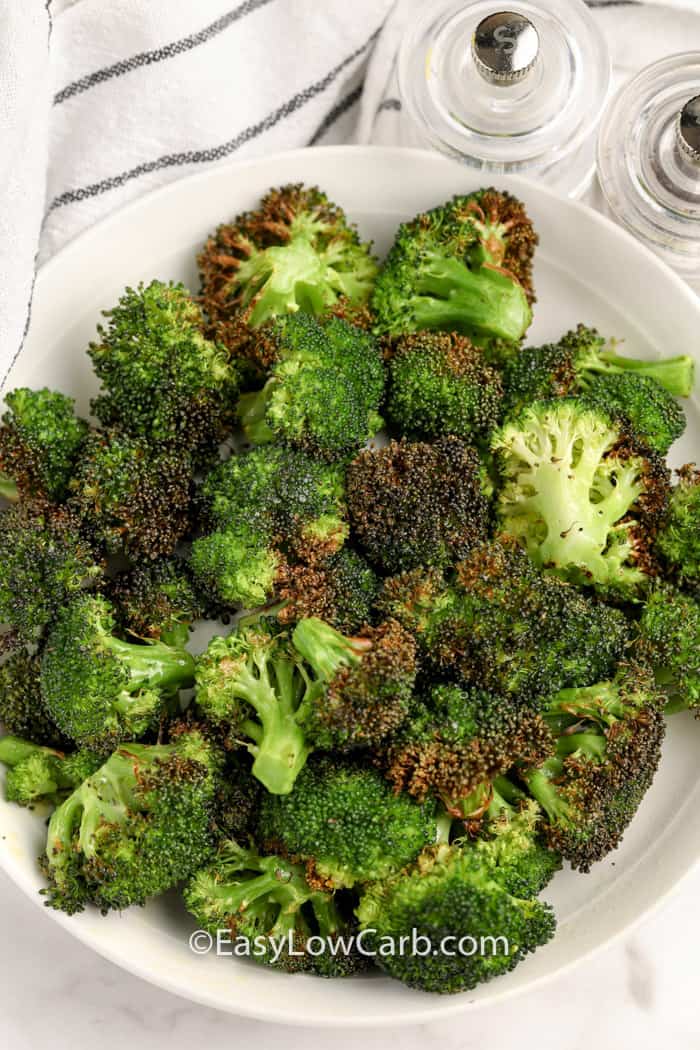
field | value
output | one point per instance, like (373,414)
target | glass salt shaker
(649,160)
(508,90)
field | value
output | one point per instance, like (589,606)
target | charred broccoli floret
(367,681)
(465,266)
(340,588)
(679,537)
(268,901)
(157,601)
(134,828)
(132,497)
(297,251)
(581,496)
(44,562)
(42,774)
(640,403)
(324,388)
(99,689)
(573,364)
(456,741)
(414,503)
(40,440)
(502,626)
(268,507)
(440,384)
(669,636)
(605,760)
(454,897)
(346,823)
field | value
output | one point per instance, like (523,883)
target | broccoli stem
(154,666)
(484,301)
(600,702)
(14,750)
(8,489)
(540,784)
(326,649)
(675,374)
(252,415)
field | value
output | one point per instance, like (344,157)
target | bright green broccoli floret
(268,507)
(605,761)
(414,503)
(296,251)
(40,440)
(670,638)
(367,681)
(503,627)
(157,601)
(465,266)
(652,415)
(99,689)
(134,828)
(679,536)
(340,589)
(44,562)
(580,495)
(162,381)
(22,710)
(41,774)
(455,898)
(268,901)
(324,388)
(440,384)
(456,741)
(346,822)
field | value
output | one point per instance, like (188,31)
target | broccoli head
(324,388)
(669,636)
(268,901)
(41,774)
(414,503)
(156,601)
(679,537)
(582,497)
(134,828)
(346,823)
(502,626)
(297,251)
(22,711)
(653,416)
(339,588)
(162,380)
(465,266)
(440,384)
(44,562)
(40,440)
(99,689)
(457,900)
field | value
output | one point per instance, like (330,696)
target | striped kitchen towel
(101,100)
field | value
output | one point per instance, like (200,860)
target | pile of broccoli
(455,647)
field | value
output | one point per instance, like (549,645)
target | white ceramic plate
(588,270)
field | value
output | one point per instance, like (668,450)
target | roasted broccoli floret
(414,503)
(99,689)
(340,588)
(367,681)
(502,626)
(157,600)
(162,381)
(44,561)
(669,636)
(679,537)
(268,507)
(22,710)
(237,798)
(605,760)
(324,388)
(132,497)
(465,266)
(581,496)
(268,901)
(473,926)
(297,251)
(653,416)
(40,440)
(456,741)
(345,821)
(41,774)
(440,384)
(134,828)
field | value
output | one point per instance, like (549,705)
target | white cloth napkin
(101,100)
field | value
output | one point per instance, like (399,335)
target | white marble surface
(640,992)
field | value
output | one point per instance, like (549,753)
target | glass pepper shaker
(649,160)
(508,90)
